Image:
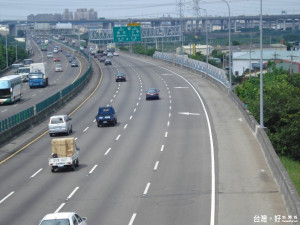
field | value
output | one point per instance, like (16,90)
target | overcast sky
(20,9)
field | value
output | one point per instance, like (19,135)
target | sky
(123,9)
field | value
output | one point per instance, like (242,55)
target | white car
(60,124)
(49,54)
(58,68)
(116,53)
(63,218)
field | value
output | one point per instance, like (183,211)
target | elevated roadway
(188,158)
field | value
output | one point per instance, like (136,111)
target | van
(60,124)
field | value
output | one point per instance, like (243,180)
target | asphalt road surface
(187,158)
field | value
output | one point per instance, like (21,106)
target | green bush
(281,93)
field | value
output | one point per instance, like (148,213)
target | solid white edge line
(33,175)
(72,193)
(132,219)
(7,196)
(213,175)
(162,148)
(60,207)
(146,189)
(156,165)
(108,150)
(92,170)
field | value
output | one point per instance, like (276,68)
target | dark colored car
(152,93)
(107,62)
(102,59)
(106,116)
(74,63)
(120,77)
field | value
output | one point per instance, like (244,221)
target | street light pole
(261,72)
(229,33)
(206,34)
(6,51)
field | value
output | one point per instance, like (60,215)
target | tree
(281,108)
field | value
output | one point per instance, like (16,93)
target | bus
(10,89)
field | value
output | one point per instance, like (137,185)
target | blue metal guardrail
(212,71)
(31,111)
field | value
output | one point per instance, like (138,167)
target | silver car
(60,124)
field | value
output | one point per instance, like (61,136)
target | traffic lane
(180,191)
(120,179)
(245,184)
(57,81)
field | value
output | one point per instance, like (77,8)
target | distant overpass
(189,23)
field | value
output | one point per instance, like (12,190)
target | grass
(293,169)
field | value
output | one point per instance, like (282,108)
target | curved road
(188,158)
(57,80)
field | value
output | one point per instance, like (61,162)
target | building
(67,15)
(242,61)
(84,14)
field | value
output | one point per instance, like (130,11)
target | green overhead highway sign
(127,34)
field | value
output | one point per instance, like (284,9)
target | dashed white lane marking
(125,126)
(169,114)
(33,175)
(162,148)
(108,150)
(4,110)
(170,107)
(146,189)
(60,207)
(168,124)
(7,196)
(118,137)
(137,103)
(140,98)
(111,100)
(72,193)
(130,117)
(156,165)
(92,170)
(132,219)
(115,96)
(166,134)
(134,110)
(85,129)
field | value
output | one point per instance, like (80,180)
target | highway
(57,80)
(187,158)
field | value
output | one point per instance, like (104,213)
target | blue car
(106,116)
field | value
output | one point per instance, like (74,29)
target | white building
(242,61)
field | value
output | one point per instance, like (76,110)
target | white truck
(64,154)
